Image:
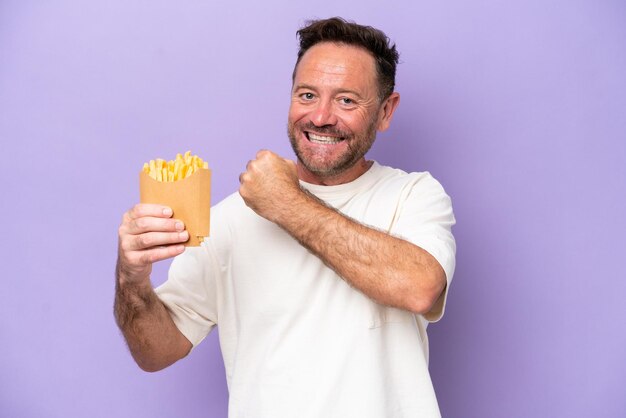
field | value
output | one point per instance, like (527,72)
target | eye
(307,96)
(346,101)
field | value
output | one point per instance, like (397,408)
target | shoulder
(231,209)
(232,215)
(417,183)
(224,216)
(230,203)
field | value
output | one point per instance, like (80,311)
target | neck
(351,174)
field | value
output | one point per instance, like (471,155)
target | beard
(323,166)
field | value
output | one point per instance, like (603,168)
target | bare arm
(147,234)
(389,270)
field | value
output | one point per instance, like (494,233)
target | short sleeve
(189,293)
(426,219)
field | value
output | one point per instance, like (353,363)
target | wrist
(128,278)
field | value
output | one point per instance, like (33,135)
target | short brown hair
(371,39)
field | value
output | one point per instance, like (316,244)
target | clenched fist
(269,185)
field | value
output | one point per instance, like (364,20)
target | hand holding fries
(147,234)
(173,213)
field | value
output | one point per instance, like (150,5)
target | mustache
(324,130)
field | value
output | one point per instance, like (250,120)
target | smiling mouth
(321,139)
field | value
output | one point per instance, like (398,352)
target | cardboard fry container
(189,198)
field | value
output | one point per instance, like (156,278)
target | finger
(149,209)
(150,256)
(245,177)
(162,253)
(150,224)
(153,239)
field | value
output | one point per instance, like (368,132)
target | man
(321,274)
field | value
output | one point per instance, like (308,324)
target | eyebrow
(310,87)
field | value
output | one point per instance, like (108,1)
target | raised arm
(389,270)
(147,234)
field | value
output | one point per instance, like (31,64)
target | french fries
(180,168)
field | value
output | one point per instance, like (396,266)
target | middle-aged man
(322,274)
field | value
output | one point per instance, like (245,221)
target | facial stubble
(358,146)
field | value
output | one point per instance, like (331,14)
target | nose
(323,114)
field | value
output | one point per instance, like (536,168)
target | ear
(386,111)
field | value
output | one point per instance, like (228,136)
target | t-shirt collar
(361,182)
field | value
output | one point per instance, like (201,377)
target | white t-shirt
(297,340)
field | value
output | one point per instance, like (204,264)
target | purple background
(519,109)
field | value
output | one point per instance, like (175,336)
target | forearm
(388,269)
(152,337)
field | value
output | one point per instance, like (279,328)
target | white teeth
(323,139)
